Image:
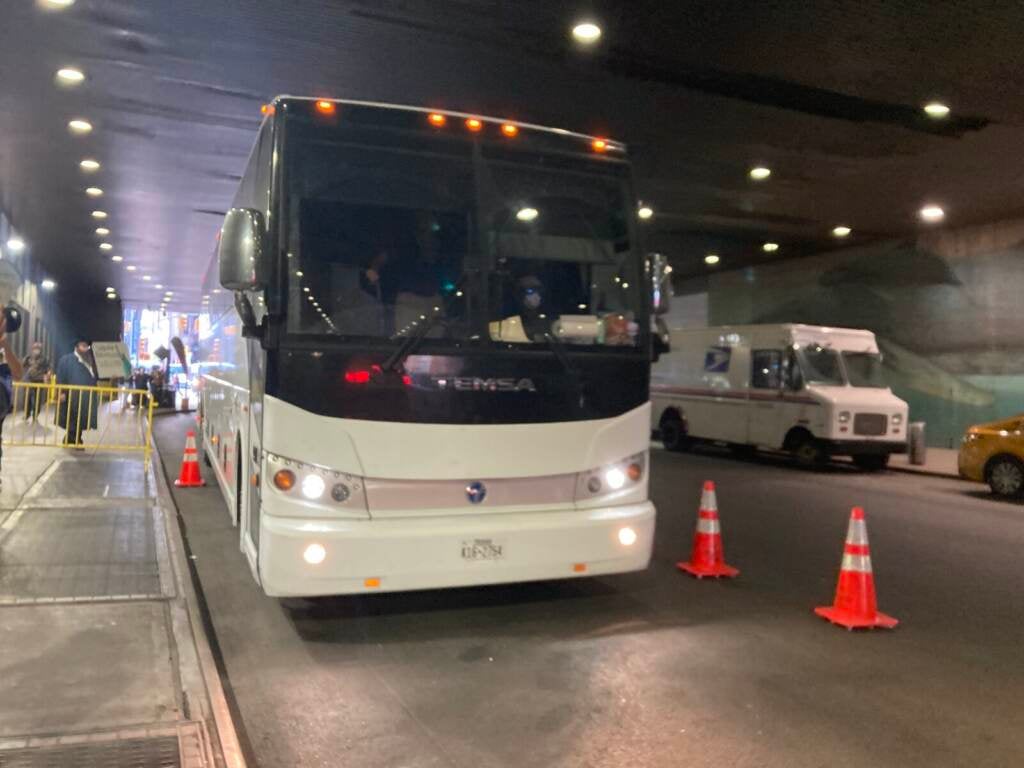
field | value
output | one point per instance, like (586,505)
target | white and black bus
(429,353)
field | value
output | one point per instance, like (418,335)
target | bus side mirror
(660,273)
(240,251)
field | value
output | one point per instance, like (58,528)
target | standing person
(77,409)
(37,371)
(10,369)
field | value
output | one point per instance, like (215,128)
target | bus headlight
(622,475)
(313,487)
(321,490)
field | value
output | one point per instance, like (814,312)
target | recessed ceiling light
(94,191)
(106,247)
(760,172)
(70,75)
(57,5)
(936,109)
(111,296)
(770,247)
(159,285)
(80,126)
(711,258)
(131,267)
(645,212)
(99,214)
(89,165)
(586,32)
(932,213)
(102,231)
(16,244)
(841,231)
(117,258)
(216,290)
(48,284)
(147,277)
(527,214)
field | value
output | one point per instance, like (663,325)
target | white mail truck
(809,390)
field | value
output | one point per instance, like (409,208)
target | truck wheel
(1005,476)
(808,453)
(673,435)
(872,462)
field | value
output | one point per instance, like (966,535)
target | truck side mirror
(660,273)
(240,250)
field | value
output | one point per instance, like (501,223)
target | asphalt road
(655,668)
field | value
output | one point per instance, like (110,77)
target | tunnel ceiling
(828,96)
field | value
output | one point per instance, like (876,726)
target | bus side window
(766,368)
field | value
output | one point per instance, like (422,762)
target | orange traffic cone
(707,557)
(189,476)
(855,604)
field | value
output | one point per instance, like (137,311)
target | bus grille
(870,423)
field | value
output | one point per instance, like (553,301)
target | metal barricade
(96,418)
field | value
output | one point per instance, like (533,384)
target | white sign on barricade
(112,359)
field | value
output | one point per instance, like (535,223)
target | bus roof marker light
(267,109)
(436,119)
(527,214)
(510,130)
(326,107)
(474,125)
(599,145)
(586,32)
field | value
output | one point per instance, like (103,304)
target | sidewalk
(941,462)
(103,660)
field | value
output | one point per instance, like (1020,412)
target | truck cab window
(766,369)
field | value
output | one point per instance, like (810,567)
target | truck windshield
(820,365)
(864,369)
(388,231)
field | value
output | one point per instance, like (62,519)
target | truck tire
(673,435)
(872,462)
(808,453)
(1005,476)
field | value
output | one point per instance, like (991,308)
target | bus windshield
(391,235)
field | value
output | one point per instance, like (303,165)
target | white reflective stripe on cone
(708,526)
(860,563)
(707,501)
(857,533)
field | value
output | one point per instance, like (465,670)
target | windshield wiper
(412,342)
(559,351)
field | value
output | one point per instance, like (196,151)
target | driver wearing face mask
(530,296)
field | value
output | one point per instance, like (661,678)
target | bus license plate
(482,549)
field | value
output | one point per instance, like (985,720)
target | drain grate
(161,752)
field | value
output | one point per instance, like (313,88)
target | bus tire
(673,434)
(871,462)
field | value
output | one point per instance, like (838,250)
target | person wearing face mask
(10,368)
(78,410)
(37,371)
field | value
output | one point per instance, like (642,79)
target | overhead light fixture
(131,267)
(102,231)
(99,214)
(527,214)
(70,75)
(770,247)
(932,213)
(106,247)
(326,106)
(586,32)
(111,296)
(80,126)
(474,125)
(15,244)
(645,212)
(48,284)
(841,231)
(936,110)
(711,259)
(93,191)
(56,5)
(147,277)
(159,285)
(760,172)
(117,258)
(89,165)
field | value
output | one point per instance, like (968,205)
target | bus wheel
(673,435)
(808,453)
(872,462)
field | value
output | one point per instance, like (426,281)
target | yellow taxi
(994,454)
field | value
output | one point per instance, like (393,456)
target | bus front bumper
(360,556)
